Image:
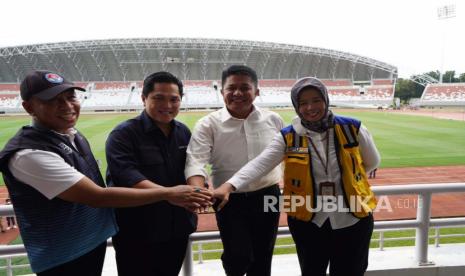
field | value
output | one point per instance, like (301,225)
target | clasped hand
(222,193)
(192,198)
(199,200)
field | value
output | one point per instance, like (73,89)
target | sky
(404,33)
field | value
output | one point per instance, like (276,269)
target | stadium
(112,72)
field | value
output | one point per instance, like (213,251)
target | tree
(407,89)
(433,74)
(449,77)
(462,77)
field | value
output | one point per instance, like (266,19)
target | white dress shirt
(274,154)
(228,143)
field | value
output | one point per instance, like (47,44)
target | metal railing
(421,224)
(381,242)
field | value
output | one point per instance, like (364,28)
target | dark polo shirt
(138,150)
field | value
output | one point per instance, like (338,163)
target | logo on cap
(53,78)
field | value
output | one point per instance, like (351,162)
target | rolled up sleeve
(199,150)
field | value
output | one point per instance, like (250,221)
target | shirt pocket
(356,158)
(296,172)
(259,138)
(263,131)
(182,154)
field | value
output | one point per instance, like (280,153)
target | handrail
(380,240)
(422,223)
(419,188)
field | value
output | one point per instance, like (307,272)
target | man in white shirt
(227,139)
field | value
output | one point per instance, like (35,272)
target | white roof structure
(188,58)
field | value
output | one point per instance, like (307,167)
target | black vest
(80,158)
(56,227)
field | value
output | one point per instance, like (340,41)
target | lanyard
(325,165)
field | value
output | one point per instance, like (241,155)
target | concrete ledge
(424,271)
(449,260)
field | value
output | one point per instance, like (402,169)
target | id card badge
(327,189)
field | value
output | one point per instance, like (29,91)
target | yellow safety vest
(298,171)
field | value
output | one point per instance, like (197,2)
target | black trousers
(90,264)
(346,250)
(149,258)
(248,233)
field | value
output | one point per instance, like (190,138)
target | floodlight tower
(444,12)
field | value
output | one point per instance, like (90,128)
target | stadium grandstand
(443,94)
(112,70)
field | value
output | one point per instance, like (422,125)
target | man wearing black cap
(55,184)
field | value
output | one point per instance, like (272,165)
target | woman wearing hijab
(329,201)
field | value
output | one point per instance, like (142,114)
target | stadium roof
(188,58)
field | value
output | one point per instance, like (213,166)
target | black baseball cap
(45,85)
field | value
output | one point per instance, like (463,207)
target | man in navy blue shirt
(141,152)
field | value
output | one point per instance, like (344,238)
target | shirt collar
(149,125)
(225,115)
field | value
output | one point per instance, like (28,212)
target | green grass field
(403,140)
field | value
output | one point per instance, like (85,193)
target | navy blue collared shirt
(138,150)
